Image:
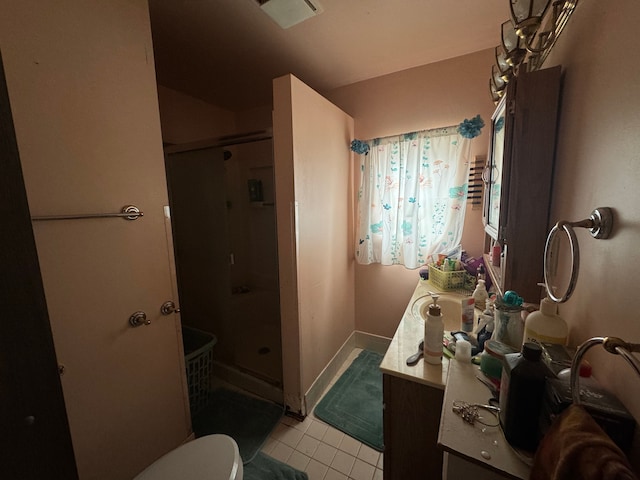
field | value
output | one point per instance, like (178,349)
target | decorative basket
(447,280)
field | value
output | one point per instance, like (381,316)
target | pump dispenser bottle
(545,325)
(433,333)
(480,295)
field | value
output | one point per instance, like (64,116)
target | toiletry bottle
(521,393)
(480,295)
(485,332)
(433,333)
(468,316)
(481,273)
(545,325)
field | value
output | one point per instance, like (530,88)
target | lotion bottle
(545,325)
(433,333)
(480,295)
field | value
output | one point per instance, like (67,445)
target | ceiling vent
(287,13)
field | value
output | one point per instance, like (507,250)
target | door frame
(35,442)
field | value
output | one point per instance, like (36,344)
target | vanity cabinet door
(411,421)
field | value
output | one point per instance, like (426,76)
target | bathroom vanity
(419,424)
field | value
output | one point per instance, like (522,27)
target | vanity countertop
(405,342)
(479,444)
(465,441)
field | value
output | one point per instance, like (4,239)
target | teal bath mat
(263,467)
(354,404)
(248,420)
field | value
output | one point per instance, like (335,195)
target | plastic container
(463,351)
(447,280)
(480,295)
(492,358)
(522,388)
(545,325)
(198,359)
(433,333)
(509,327)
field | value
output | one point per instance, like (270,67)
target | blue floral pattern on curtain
(411,200)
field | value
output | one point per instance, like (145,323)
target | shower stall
(225,244)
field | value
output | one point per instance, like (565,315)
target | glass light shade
(512,45)
(496,94)
(527,15)
(506,73)
(497,78)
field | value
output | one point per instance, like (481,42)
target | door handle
(138,319)
(168,308)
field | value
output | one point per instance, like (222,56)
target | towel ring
(613,345)
(599,224)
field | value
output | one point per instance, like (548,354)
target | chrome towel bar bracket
(599,223)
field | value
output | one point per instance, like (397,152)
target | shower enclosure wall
(224,229)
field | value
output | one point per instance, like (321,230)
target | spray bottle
(433,333)
(545,325)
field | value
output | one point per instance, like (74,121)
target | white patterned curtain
(411,200)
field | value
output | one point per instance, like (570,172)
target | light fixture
(506,72)
(527,15)
(512,45)
(527,38)
(496,84)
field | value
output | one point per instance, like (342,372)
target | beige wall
(313,190)
(597,165)
(430,96)
(187,119)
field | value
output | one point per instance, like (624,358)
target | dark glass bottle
(521,393)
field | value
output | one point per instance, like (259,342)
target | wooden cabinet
(518,180)
(411,421)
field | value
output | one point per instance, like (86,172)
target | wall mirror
(493,173)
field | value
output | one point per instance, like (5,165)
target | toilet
(212,457)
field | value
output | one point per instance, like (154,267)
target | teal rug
(354,404)
(263,467)
(248,420)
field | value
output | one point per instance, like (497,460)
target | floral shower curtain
(411,200)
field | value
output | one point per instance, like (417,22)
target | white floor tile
(299,461)
(362,470)
(333,437)
(325,453)
(317,429)
(304,425)
(334,475)
(308,445)
(369,455)
(316,470)
(290,436)
(350,445)
(381,462)
(343,462)
(281,452)
(378,474)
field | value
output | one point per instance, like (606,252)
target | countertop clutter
(478,449)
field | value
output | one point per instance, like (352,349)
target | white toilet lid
(212,457)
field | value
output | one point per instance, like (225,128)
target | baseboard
(371,342)
(357,339)
(247,382)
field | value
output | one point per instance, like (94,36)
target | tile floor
(322,451)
